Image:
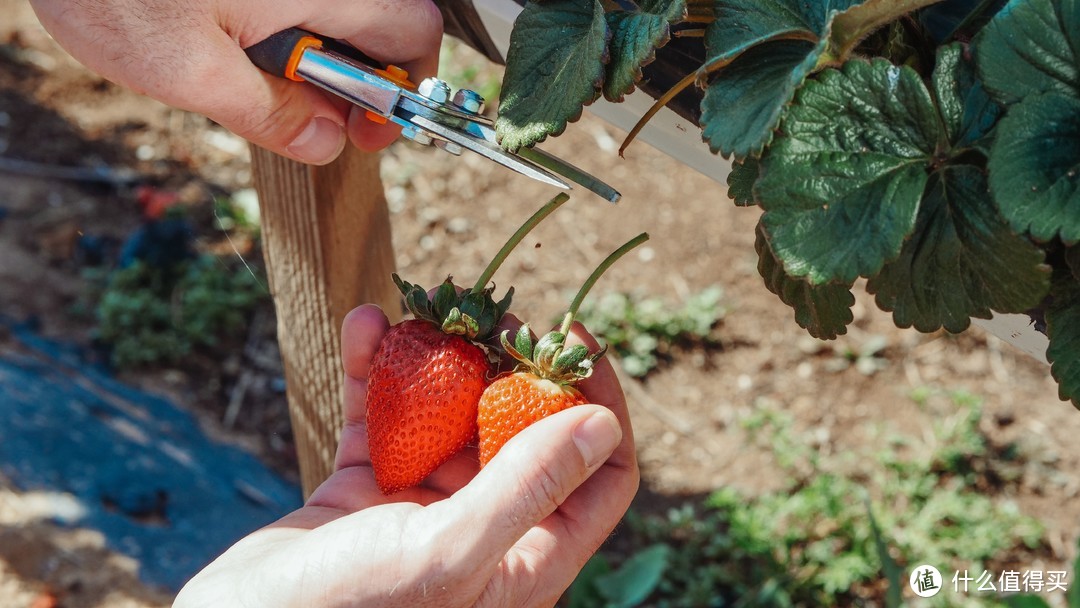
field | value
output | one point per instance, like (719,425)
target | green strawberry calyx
(549,357)
(471,314)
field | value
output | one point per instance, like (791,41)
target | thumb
(528,479)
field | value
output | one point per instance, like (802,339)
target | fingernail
(319,143)
(597,437)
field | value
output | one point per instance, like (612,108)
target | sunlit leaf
(767,49)
(841,188)
(745,101)
(822,310)
(962,262)
(555,65)
(635,36)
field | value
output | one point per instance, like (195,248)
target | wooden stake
(326,239)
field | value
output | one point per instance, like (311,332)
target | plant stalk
(568,320)
(516,238)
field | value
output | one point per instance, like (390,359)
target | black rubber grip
(272,55)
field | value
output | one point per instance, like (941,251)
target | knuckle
(541,490)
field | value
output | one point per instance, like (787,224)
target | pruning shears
(427,113)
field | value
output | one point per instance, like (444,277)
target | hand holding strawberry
(429,373)
(514,534)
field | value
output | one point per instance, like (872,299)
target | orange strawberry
(543,381)
(429,372)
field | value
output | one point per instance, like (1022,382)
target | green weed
(642,331)
(149,316)
(843,527)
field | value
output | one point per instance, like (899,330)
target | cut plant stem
(571,312)
(516,238)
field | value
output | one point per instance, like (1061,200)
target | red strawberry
(428,374)
(543,381)
(422,395)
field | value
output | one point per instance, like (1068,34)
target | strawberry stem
(568,320)
(516,238)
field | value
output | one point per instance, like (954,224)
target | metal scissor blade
(484,130)
(484,149)
(570,172)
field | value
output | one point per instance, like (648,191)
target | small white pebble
(459,225)
(744,382)
(145,152)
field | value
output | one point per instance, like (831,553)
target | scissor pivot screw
(434,89)
(469,101)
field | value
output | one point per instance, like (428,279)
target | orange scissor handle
(280,55)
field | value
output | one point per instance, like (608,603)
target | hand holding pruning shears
(258,70)
(190,55)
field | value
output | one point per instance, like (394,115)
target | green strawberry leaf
(583,593)
(742,24)
(766,49)
(1029,58)
(1035,166)
(745,101)
(1031,47)
(841,188)
(555,65)
(822,310)
(741,181)
(963,262)
(968,111)
(635,36)
(636,579)
(1063,328)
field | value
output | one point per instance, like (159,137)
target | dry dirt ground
(452,213)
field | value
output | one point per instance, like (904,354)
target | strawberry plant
(429,372)
(931,147)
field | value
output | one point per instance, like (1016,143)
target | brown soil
(450,212)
